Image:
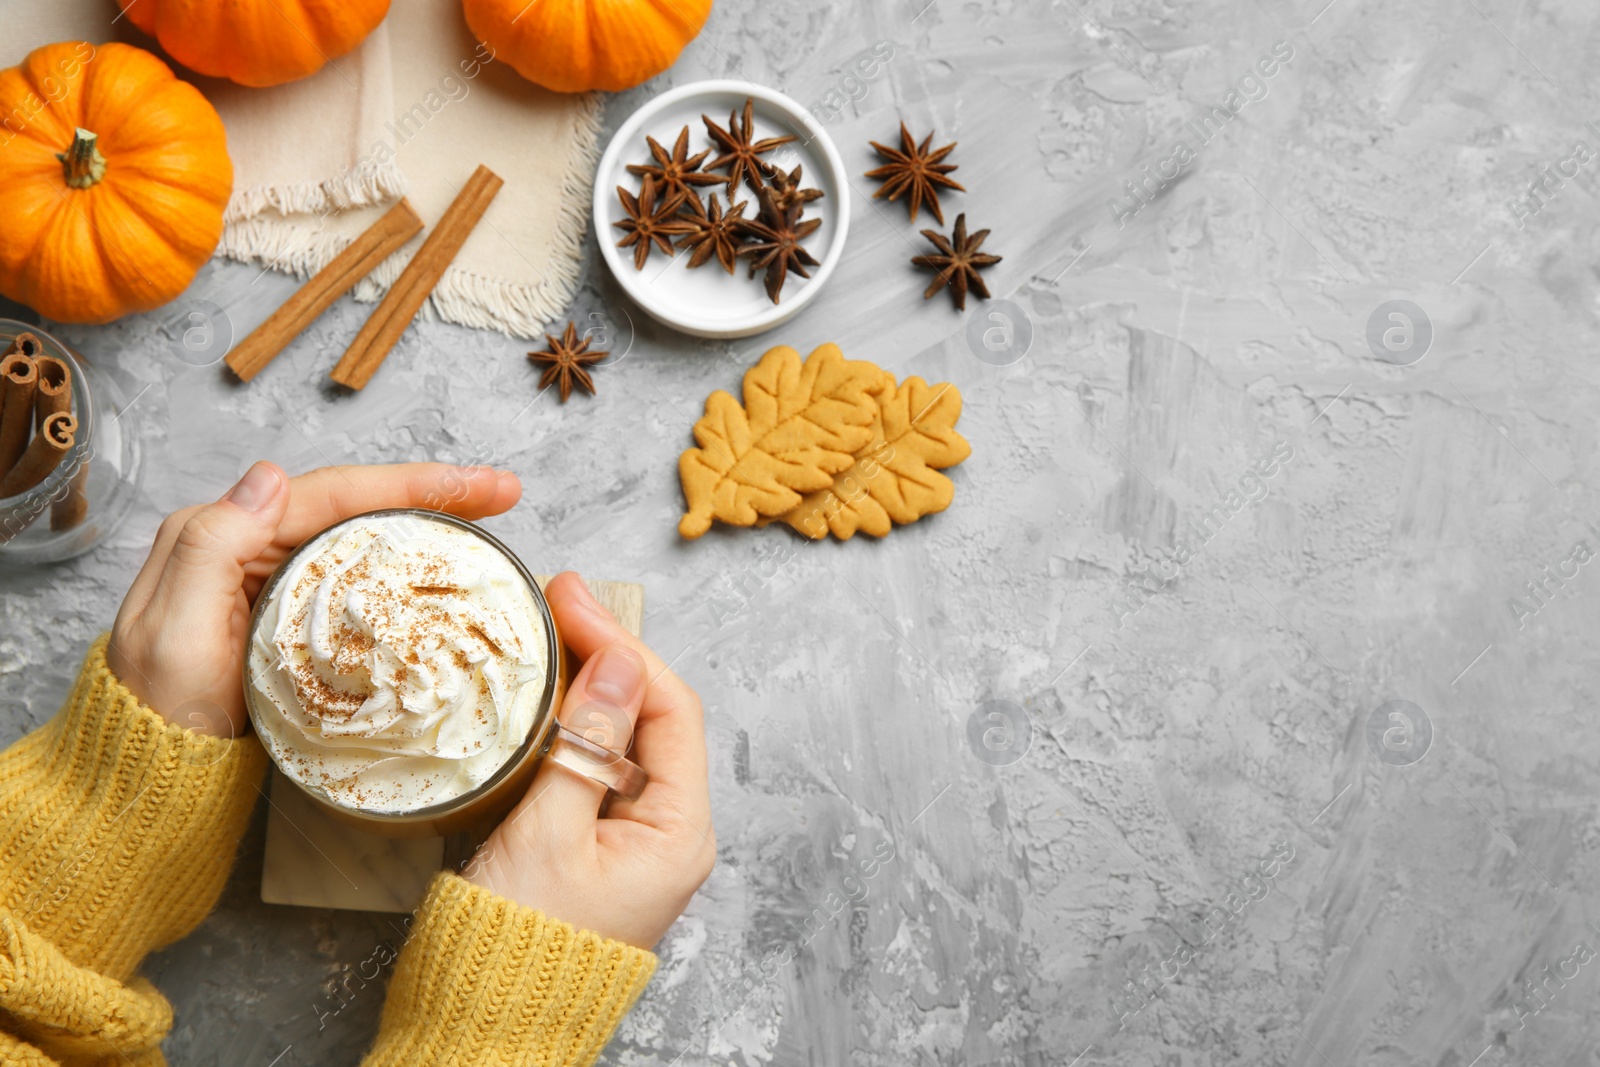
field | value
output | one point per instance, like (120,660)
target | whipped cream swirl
(399,664)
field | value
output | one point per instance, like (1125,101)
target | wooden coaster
(314,861)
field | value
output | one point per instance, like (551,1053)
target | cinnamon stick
(54,391)
(54,440)
(397,226)
(19,379)
(372,345)
(69,511)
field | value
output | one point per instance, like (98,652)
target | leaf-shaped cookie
(895,477)
(800,425)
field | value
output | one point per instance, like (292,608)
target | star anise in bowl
(714,232)
(648,223)
(668,213)
(776,247)
(741,153)
(786,188)
(677,171)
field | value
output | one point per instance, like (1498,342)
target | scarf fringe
(371,183)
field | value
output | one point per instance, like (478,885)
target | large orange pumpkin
(113,178)
(256,42)
(572,46)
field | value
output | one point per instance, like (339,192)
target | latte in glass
(401,664)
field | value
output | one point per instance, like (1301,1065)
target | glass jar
(81,501)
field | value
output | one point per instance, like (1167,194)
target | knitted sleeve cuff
(70,1013)
(118,828)
(484,980)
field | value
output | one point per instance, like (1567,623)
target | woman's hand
(179,640)
(630,874)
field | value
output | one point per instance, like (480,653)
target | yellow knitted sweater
(117,830)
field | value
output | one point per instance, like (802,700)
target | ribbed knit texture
(117,830)
(488,983)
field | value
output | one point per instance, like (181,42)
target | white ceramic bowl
(707,301)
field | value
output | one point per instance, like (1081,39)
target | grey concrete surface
(1186,709)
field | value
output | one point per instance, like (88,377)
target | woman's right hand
(628,875)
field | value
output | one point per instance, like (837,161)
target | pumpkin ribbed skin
(256,42)
(573,46)
(135,238)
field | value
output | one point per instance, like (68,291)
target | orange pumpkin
(256,42)
(113,178)
(572,46)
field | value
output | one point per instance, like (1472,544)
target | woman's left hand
(179,640)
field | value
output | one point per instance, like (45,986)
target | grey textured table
(1182,723)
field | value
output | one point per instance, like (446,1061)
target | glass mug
(547,738)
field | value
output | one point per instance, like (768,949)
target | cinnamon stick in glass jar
(54,391)
(25,343)
(53,441)
(19,379)
(55,395)
(68,512)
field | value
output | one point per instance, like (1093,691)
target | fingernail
(618,676)
(256,489)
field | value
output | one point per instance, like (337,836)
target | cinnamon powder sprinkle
(477,631)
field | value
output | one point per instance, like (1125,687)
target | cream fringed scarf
(412,111)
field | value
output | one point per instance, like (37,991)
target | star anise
(565,360)
(958,262)
(913,168)
(647,224)
(786,189)
(739,154)
(677,172)
(776,249)
(715,232)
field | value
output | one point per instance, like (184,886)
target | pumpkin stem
(82,161)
